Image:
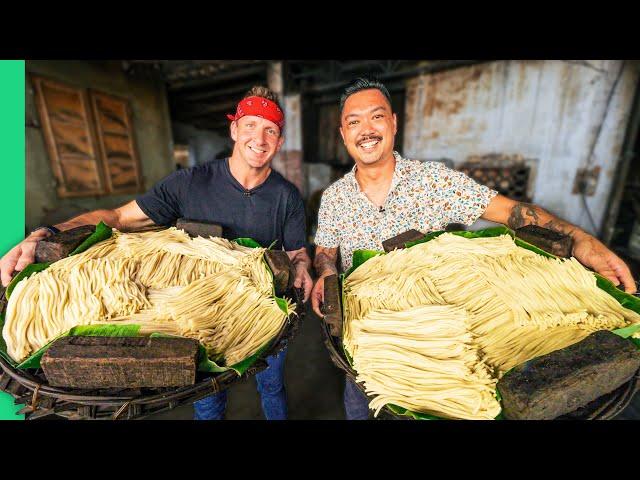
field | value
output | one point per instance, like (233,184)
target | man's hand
(128,216)
(594,254)
(317,296)
(301,263)
(20,256)
(325,265)
(303,280)
(587,249)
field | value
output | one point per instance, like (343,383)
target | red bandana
(259,107)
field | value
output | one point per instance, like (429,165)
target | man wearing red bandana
(242,194)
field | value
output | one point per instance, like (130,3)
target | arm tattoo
(560,226)
(325,262)
(527,214)
(523,214)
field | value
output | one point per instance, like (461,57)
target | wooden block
(283,272)
(398,241)
(199,229)
(3,299)
(121,362)
(332,305)
(60,245)
(555,243)
(560,382)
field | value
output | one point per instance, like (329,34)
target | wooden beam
(334,97)
(211,93)
(407,72)
(209,124)
(218,78)
(200,110)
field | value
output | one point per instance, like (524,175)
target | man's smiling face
(257,140)
(368,126)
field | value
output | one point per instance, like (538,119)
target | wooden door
(69,137)
(116,142)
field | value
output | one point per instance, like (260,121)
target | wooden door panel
(115,138)
(79,174)
(71,140)
(112,114)
(68,134)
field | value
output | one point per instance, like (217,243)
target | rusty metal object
(332,306)
(508,174)
(555,243)
(60,245)
(199,229)
(398,241)
(120,362)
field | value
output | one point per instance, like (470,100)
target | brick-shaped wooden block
(555,243)
(332,305)
(282,268)
(199,229)
(398,241)
(60,245)
(121,362)
(3,300)
(3,296)
(560,382)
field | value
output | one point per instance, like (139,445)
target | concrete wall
(204,145)
(288,161)
(544,110)
(152,132)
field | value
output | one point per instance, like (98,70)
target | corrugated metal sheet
(546,110)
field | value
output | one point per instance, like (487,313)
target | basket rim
(211,383)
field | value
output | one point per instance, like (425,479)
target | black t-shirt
(209,193)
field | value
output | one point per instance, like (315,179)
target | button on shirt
(425,196)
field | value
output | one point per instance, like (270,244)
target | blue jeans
(270,386)
(356,403)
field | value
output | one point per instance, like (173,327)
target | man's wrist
(327,273)
(301,264)
(578,235)
(48,228)
(39,233)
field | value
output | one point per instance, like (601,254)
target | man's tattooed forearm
(325,262)
(523,214)
(560,227)
(526,214)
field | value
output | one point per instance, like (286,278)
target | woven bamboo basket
(603,408)
(30,388)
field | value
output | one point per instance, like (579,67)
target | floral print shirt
(425,196)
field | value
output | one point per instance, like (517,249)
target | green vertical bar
(12,184)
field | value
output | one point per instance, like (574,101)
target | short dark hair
(363,83)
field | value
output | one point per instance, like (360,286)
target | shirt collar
(398,174)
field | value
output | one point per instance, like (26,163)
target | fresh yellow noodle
(517,305)
(211,289)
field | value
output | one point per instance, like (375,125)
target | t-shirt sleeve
(295,227)
(464,199)
(327,234)
(163,203)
